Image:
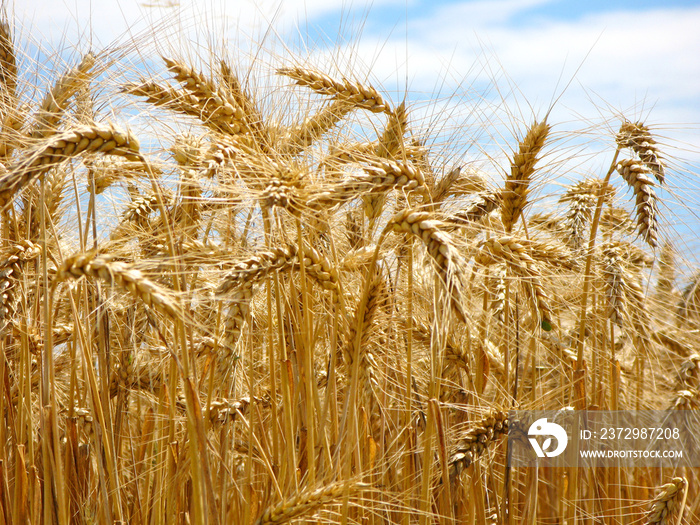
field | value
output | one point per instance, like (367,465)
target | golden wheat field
(259,295)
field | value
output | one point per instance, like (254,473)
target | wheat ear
(454,182)
(480,205)
(120,274)
(380,176)
(301,137)
(522,168)
(391,142)
(56,100)
(389,147)
(255,268)
(233,87)
(666,508)
(581,198)
(96,138)
(167,97)
(441,249)
(218,107)
(304,503)
(475,440)
(637,137)
(238,284)
(614,278)
(8,61)
(667,271)
(104,174)
(637,177)
(361,96)
(689,303)
(10,272)
(514,253)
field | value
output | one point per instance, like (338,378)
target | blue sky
(488,66)
(631,55)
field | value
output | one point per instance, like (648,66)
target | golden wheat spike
(668,503)
(638,137)
(522,168)
(95,138)
(120,274)
(365,97)
(637,177)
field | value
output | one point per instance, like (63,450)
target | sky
(473,71)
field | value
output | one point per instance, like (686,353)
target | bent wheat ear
(441,248)
(304,503)
(250,271)
(120,274)
(637,177)
(521,170)
(365,97)
(164,96)
(666,506)
(381,175)
(10,272)
(475,440)
(95,138)
(637,137)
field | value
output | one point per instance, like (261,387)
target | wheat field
(258,295)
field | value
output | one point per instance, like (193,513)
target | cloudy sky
(638,56)
(494,64)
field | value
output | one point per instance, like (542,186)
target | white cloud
(629,60)
(642,63)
